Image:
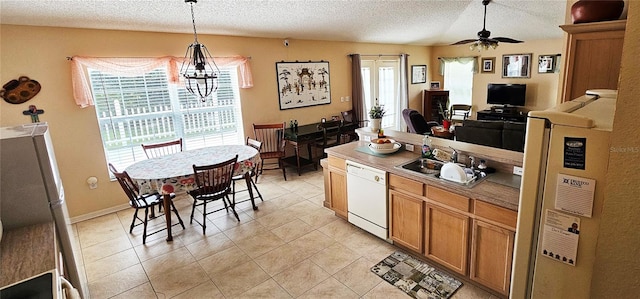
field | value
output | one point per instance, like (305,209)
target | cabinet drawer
(337,162)
(404,184)
(450,199)
(496,213)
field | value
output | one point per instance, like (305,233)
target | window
(458,80)
(380,81)
(147,109)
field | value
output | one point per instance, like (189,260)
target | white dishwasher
(367,198)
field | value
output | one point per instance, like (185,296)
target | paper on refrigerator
(560,237)
(575,195)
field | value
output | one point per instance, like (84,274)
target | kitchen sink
(431,168)
(42,286)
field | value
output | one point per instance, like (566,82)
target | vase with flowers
(375,115)
(446,116)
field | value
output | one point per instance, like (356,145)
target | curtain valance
(463,60)
(139,66)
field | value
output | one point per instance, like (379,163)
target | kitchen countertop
(26,252)
(498,194)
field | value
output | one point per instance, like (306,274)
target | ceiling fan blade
(465,41)
(507,40)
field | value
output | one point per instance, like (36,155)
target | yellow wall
(541,88)
(617,267)
(39,52)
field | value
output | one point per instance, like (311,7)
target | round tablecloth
(177,169)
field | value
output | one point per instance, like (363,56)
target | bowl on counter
(394,148)
(382,143)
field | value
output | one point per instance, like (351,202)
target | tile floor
(292,247)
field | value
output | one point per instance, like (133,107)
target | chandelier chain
(193,21)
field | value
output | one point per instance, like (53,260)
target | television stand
(503,113)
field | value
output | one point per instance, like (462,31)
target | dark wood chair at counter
(331,135)
(349,117)
(142,201)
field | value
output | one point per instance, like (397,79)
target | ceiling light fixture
(484,42)
(480,45)
(198,68)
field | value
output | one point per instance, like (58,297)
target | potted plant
(446,116)
(375,114)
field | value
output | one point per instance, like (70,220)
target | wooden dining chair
(213,183)
(459,112)
(162,149)
(145,201)
(273,143)
(253,173)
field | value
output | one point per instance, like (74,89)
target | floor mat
(415,277)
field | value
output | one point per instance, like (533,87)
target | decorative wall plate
(20,91)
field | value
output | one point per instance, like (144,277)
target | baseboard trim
(98,213)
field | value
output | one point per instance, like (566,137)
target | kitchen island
(469,230)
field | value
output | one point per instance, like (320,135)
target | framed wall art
(488,65)
(516,66)
(303,84)
(418,74)
(548,63)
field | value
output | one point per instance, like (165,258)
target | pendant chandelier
(199,70)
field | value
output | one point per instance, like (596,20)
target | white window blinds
(147,109)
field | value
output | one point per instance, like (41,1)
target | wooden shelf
(594,53)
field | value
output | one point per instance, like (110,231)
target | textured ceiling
(426,22)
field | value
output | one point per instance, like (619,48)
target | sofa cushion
(513,136)
(483,132)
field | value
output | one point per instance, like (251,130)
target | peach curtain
(139,66)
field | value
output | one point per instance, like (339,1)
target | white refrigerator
(32,191)
(561,197)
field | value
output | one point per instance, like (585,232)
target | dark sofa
(495,133)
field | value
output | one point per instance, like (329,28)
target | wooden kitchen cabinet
(432,100)
(491,255)
(493,233)
(446,232)
(594,53)
(337,187)
(405,220)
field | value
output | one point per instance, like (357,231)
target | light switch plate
(517,170)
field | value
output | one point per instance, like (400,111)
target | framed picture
(434,85)
(303,84)
(548,63)
(516,66)
(418,74)
(488,65)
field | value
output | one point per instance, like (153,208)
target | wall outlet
(408,147)
(341,99)
(517,170)
(367,138)
(347,98)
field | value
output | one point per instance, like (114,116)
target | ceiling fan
(483,42)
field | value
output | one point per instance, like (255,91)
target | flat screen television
(506,94)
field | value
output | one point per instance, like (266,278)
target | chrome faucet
(454,156)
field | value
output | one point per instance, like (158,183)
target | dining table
(174,172)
